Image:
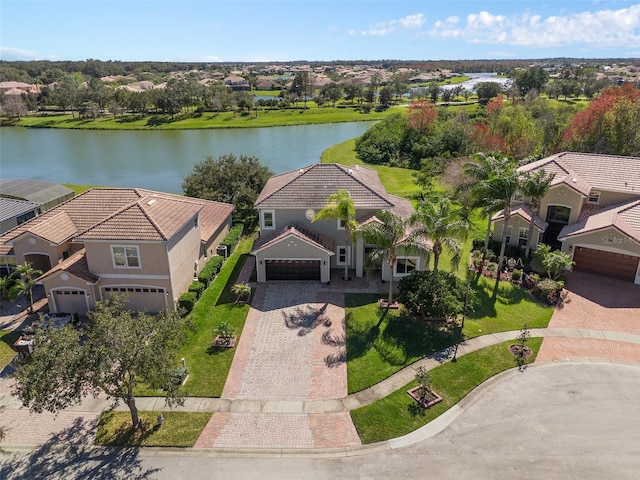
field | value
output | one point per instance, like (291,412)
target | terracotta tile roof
(523,211)
(75,265)
(121,213)
(321,241)
(55,229)
(402,206)
(624,217)
(586,171)
(312,185)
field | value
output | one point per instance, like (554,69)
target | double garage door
(70,301)
(608,264)
(292,269)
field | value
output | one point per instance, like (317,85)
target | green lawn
(7,339)
(77,188)
(397,414)
(397,181)
(381,342)
(208,368)
(179,429)
(264,118)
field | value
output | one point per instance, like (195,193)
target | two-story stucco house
(292,247)
(147,244)
(592,211)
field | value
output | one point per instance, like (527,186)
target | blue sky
(324,30)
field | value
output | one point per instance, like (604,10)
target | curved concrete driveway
(555,420)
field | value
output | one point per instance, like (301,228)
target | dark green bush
(210,269)
(233,237)
(187,300)
(197,287)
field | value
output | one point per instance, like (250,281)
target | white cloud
(10,53)
(600,28)
(410,22)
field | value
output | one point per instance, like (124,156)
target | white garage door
(70,301)
(140,298)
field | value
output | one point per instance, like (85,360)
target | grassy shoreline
(208,120)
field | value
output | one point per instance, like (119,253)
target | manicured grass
(397,181)
(506,308)
(397,414)
(7,339)
(264,118)
(381,342)
(77,188)
(208,368)
(179,429)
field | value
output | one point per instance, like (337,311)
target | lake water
(157,160)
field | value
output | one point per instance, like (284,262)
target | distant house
(592,211)
(292,247)
(237,83)
(146,244)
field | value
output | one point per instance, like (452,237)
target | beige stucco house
(148,244)
(292,247)
(592,211)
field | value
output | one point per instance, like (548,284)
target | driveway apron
(292,349)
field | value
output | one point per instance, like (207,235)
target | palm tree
(535,185)
(340,206)
(443,225)
(498,189)
(24,285)
(389,235)
(479,171)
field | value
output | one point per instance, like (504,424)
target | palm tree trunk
(504,244)
(486,238)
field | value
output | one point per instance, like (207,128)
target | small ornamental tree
(554,262)
(432,295)
(121,351)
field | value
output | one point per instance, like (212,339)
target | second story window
(268,218)
(594,197)
(125,256)
(518,196)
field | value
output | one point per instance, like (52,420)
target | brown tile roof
(624,217)
(312,185)
(121,213)
(75,265)
(586,171)
(523,211)
(321,241)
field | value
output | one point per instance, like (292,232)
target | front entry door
(557,217)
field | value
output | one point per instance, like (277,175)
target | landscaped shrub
(187,300)
(210,269)
(432,295)
(233,237)
(197,287)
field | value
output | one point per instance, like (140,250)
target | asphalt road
(559,421)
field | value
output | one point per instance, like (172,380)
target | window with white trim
(268,219)
(341,224)
(343,255)
(405,265)
(523,235)
(594,197)
(125,256)
(507,234)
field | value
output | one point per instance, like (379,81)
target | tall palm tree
(499,189)
(24,285)
(340,206)
(479,171)
(443,225)
(390,237)
(535,185)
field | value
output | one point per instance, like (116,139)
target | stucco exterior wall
(516,222)
(615,198)
(565,197)
(153,259)
(183,253)
(210,246)
(609,239)
(32,245)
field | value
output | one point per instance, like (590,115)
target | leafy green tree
(386,94)
(535,185)
(487,90)
(229,179)
(69,92)
(381,144)
(442,224)
(432,295)
(433,91)
(353,91)
(332,91)
(530,79)
(390,237)
(122,351)
(340,206)
(554,262)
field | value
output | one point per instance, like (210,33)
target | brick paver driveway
(292,348)
(596,303)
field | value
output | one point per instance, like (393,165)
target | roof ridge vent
(152,201)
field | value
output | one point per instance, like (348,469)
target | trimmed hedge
(197,287)
(233,237)
(210,269)
(187,300)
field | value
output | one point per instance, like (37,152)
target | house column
(359,256)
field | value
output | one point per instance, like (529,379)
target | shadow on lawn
(227,296)
(70,455)
(486,293)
